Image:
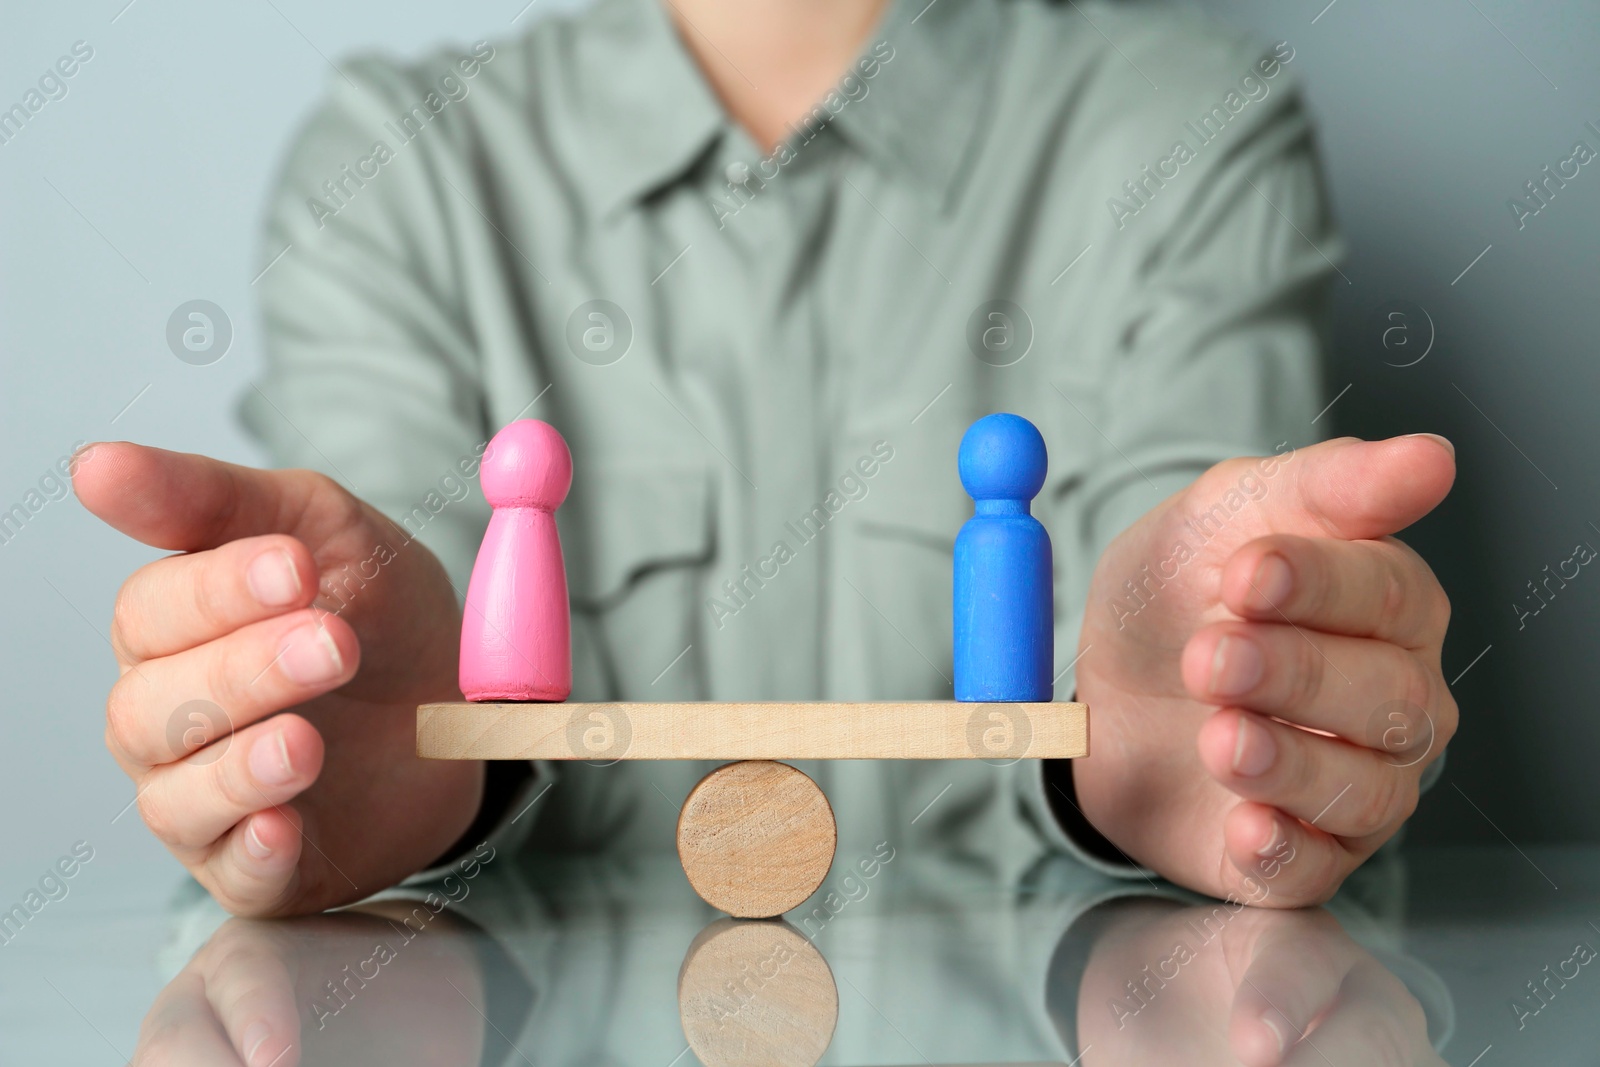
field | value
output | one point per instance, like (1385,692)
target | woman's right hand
(271,671)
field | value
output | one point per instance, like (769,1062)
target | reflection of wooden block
(756,994)
(761,731)
(756,838)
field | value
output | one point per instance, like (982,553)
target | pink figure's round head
(527,465)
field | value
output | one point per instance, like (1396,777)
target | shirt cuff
(503,821)
(1049,804)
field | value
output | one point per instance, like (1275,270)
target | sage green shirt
(1107,219)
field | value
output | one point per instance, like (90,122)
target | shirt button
(737,173)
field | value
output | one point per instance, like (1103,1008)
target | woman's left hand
(1267,691)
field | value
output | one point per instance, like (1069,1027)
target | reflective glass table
(1471,957)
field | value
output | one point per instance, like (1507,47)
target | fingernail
(1253,749)
(254,845)
(273,580)
(254,1037)
(1236,666)
(269,760)
(1277,1031)
(1445,441)
(308,656)
(1274,839)
(1272,583)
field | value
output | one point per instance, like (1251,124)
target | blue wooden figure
(1004,620)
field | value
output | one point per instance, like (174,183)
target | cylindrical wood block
(756,994)
(756,838)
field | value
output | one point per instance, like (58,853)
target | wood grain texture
(738,731)
(756,838)
(756,994)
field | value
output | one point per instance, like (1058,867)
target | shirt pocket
(637,540)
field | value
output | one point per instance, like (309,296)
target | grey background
(143,188)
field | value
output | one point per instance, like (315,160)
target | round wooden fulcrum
(756,838)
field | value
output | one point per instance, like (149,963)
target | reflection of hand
(1221,984)
(1234,700)
(300,744)
(322,991)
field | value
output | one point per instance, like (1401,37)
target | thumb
(1362,490)
(185,502)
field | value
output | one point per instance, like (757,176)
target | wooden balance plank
(756,731)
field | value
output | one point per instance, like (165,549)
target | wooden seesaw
(756,837)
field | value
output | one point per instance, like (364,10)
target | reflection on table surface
(917,962)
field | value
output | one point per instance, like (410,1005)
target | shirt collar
(924,107)
(645,110)
(648,115)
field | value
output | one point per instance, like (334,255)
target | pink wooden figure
(516,636)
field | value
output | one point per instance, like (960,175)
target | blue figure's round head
(1002,457)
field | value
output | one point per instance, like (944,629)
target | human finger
(257,670)
(1379,589)
(186,600)
(252,992)
(1293,978)
(1338,787)
(187,502)
(1341,685)
(1278,861)
(1374,1020)
(1358,490)
(254,870)
(191,803)
(182,1030)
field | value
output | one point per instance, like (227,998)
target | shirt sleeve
(1216,347)
(372,373)
(1050,807)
